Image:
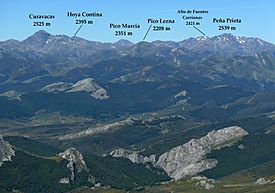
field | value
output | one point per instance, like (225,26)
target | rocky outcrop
(97,129)
(64,181)
(188,159)
(181,94)
(56,87)
(89,85)
(203,182)
(6,151)
(75,164)
(12,95)
(263,181)
(134,156)
(241,146)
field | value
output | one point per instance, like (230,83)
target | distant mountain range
(43,42)
(48,58)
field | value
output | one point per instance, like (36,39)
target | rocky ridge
(134,156)
(188,159)
(56,87)
(75,164)
(12,95)
(97,129)
(6,151)
(88,85)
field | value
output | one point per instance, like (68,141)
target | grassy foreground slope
(188,187)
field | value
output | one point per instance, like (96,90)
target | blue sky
(258,18)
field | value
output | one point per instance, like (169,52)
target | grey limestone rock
(188,159)
(6,151)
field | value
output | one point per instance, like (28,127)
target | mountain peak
(228,44)
(38,39)
(142,46)
(143,43)
(42,32)
(123,43)
(225,37)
